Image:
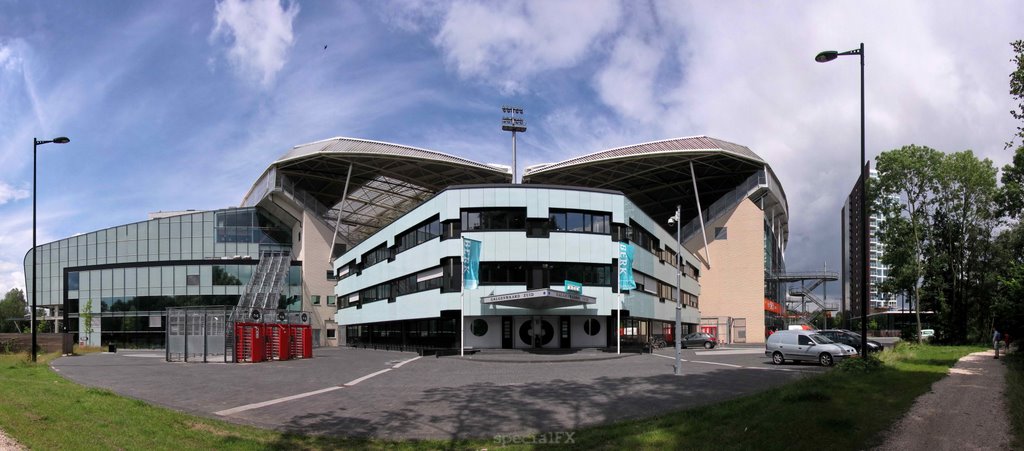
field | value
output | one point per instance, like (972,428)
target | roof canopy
(656,175)
(388,180)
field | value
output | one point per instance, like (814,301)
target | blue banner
(470,263)
(626,281)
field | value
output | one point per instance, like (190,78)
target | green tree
(1011,195)
(903,194)
(961,230)
(1017,88)
(86,316)
(12,307)
(1008,271)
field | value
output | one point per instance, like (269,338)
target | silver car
(805,345)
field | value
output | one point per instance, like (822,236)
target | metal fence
(199,334)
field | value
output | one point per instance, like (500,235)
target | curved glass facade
(128,275)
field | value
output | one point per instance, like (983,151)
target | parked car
(927,334)
(696,339)
(850,338)
(805,345)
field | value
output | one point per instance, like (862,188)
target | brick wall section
(734,285)
(23,342)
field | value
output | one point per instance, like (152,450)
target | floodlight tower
(512,121)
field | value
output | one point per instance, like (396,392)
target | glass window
(574,221)
(225,275)
(419,234)
(332,300)
(192,280)
(721,233)
(580,221)
(592,326)
(494,219)
(478,327)
(314,299)
(73,281)
(377,255)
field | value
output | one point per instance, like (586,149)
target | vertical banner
(626,281)
(470,263)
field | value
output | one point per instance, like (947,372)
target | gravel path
(8,444)
(964,411)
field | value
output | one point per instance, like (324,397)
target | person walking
(996,338)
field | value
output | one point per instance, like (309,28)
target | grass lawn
(837,410)
(1015,396)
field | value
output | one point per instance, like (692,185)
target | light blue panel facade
(509,246)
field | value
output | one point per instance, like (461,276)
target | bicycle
(657,343)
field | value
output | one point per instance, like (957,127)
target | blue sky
(179,105)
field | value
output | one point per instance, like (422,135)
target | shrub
(861,365)
(909,334)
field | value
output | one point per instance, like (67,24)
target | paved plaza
(358,392)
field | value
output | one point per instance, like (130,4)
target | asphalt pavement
(358,392)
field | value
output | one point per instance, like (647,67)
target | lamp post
(513,122)
(825,57)
(678,369)
(35,271)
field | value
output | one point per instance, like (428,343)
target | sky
(181,105)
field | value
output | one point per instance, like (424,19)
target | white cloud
(747,75)
(506,43)
(11,276)
(9,193)
(260,35)
(627,82)
(8,60)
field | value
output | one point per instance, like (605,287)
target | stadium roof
(656,175)
(388,180)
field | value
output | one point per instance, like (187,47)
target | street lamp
(513,122)
(679,292)
(35,271)
(825,57)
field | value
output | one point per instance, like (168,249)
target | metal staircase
(805,293)
(268,280)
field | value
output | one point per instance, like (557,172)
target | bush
(861,365)
(909,334)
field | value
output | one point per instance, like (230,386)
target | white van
(805,345)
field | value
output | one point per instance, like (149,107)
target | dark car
(850,338)
(697,339)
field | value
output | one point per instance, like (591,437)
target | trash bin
(111,348)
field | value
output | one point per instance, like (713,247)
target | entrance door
(507,340)
(566,332)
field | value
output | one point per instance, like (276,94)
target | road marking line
(668,357)
(257,405)
(351,383)
(303,395)
(405,361)
(716,363)
(731,352)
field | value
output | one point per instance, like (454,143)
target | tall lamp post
(678,369)
(825,57)
(35,271)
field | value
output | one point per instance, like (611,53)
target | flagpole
(618,326)
(462,308)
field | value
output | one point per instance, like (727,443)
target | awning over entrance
(541,299)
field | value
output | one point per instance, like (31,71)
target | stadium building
(368,236)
